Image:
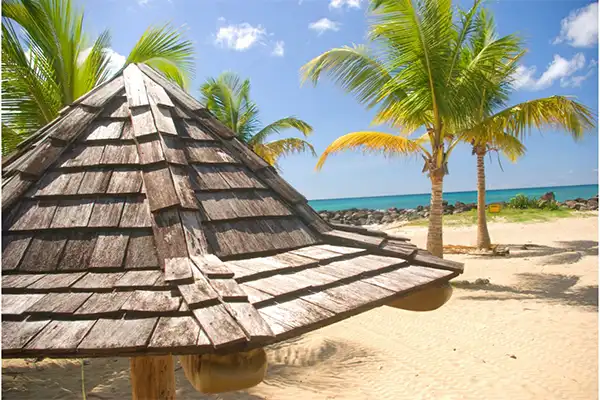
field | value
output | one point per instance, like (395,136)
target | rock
(386,219)
(480,281)
(592,204)
(420,208)
(549,196)
(572,204)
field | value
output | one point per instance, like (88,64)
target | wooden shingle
(13,249)
(109,251)
(78,251)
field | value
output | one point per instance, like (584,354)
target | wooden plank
(160,188)
(17,304)
(133,279)
(125,181)
(43,253)
(194,131)
(106,213)
(13,189)
(142,122)
(178,269)
(120,154)
(254,325)
(255,295)
(199,293)
(181,113)
(99,96)
(354,238)
(173,150)
(183,188)
(109,251)
(156,94)
(317,278)
(104,129)
(141,252)
(398,280)
(14,247)
(278,285)
(359,293)
(72,213)
(313,219)
(292,260)
(33,215)
(172,89)
(61,335)
(318,253)
(279,185)
(103,303)
(401,251)
(207,153)
(82,156)
(56,281)
(152,301)
(59,303)
(60,183)
(71,124)
(98,281)
(20,281)
(229,290)
(211,266)
(163,120)
(95,182)
(135,87)
(219,326)
(242,152)
(194,234)
(209,178)
(296,313)
(16,334)
(117,108)
(428,260)
(177,332)
(342,249)
(168,233)
(228,205)
(78,251)
(212,124)
(128,130)
(238,177)
(327,302)
(136,214)
(122,334)
(150,151)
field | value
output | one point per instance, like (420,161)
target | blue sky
(269,40)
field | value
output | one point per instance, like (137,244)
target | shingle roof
(136,223)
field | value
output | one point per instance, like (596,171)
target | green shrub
(522,202)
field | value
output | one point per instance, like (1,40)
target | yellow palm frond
(371,142)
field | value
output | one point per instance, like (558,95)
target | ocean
(562,193)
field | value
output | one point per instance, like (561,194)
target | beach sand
(531,333)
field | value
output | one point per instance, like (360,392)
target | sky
(268,41)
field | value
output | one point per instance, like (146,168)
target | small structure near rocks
(136,225)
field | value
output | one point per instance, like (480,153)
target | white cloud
(347,3)
(240,37)
(559,69)
(323,25)
(278,50)
(115,60)
(580,28)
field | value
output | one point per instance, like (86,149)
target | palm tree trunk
(483,236)
(435,242)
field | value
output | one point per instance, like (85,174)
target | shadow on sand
(566,252)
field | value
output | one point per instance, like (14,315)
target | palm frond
(279,125)
(272,151)
(371,142)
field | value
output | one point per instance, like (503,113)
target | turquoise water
(413,200)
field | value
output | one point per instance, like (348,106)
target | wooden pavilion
(136,225)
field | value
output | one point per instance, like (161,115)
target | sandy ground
(532,333)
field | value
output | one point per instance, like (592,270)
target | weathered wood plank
(245,154)
(106,213)
(122,334)
(82,156)
(311,217)
(72,213)
(428,260)
(195,132)
(59,303)
(359,293)
(117,108)
(183,188)
(14,247)
(20,281)
(98,281)
(16,334)
(13,189)
(136,214)
(160,188)
(342,249)
(238,177)
(60,183)
(279,185)
(176,332)
(208,178)
(71,124)
(178,269)
(133,279)
(229,290)
(278,285)
(199,293)
(120,154)
(135,87)
(103,303)
(327,302)
(142,122)
(405,252)
(168,233)
(250,320)
(56,281)
(156,94)
(163,120)
(318,253)
(141,252)
(175,91)
(33,215)
(207,153)
(354,238)
(150,151)
(228,205)
(194,234)
(109,251)
(61,335)
(16,304)
(317,278)
(219,326)
(211,266)
(173,150)
(296,313)
(152,301)
(398,280)
(78,251)
(128,130)
(255,295)
(103,129)
(125,181)
(95,182)
(43,253)
(99,96)
(292,260)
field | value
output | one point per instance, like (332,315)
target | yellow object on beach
(428,299)
(494,208)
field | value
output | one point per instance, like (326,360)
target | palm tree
(228,98)
(424,69)
(502,130)
(51,61)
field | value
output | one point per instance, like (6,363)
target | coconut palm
(228,98)
(500,128)
(424,69)
(48,61)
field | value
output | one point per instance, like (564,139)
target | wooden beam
(152,378)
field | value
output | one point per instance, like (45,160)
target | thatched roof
(136,223)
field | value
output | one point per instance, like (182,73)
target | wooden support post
(152,378)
